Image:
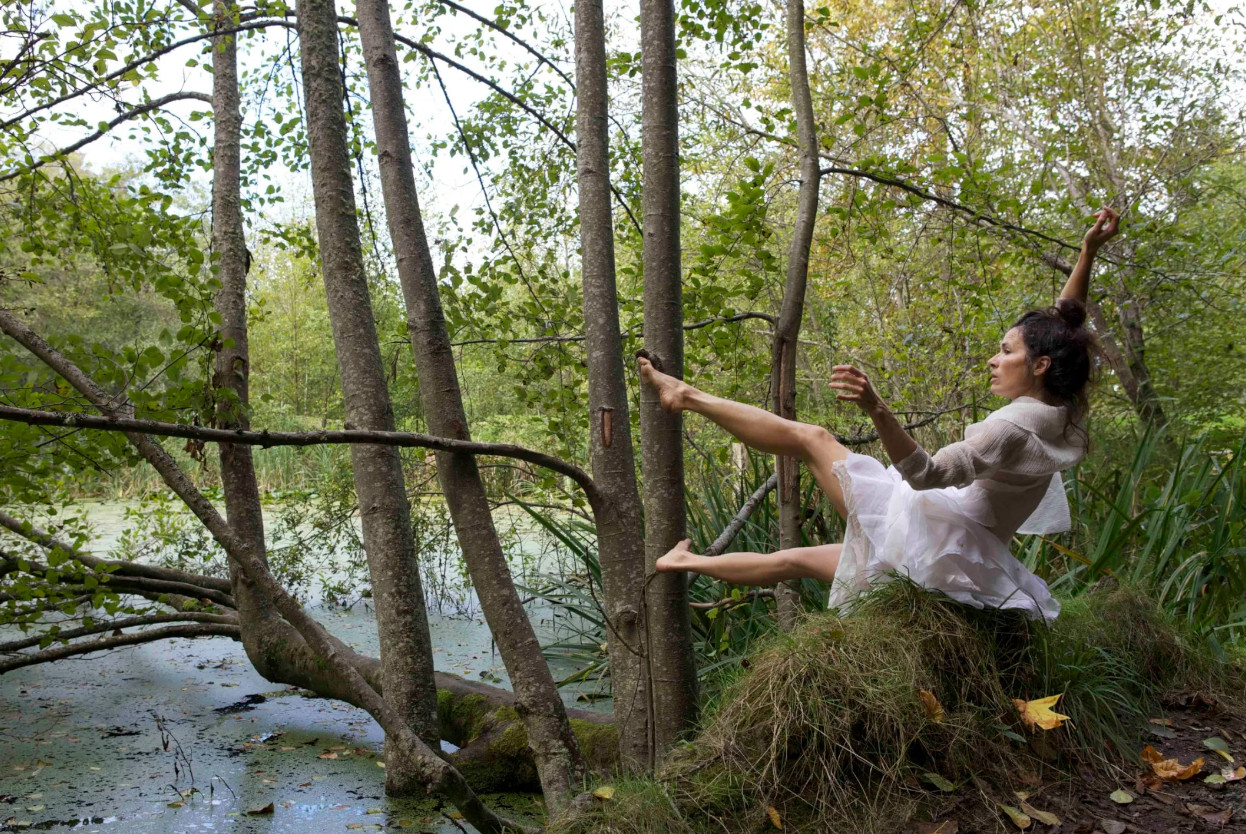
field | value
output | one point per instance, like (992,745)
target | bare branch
(737,523)
(627,334)
(267,438)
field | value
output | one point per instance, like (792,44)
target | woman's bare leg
(757,428)
(757,568)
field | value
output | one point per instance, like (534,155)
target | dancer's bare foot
(670,390)
(678,557)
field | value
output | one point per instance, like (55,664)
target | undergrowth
(825,726)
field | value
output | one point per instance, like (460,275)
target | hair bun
(1072,312)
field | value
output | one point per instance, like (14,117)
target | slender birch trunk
(406,653)
(232,367)
(620,542)
(673,664)
(555,749)
(787,329)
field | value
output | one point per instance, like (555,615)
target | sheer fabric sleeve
(996,445)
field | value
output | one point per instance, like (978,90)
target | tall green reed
(1170,521)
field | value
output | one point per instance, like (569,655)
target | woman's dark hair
(1059,333)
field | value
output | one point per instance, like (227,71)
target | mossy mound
(827,728)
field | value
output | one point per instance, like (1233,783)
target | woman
(943,520)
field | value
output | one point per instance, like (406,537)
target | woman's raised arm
(1107,223)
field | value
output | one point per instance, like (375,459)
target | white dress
(945,521)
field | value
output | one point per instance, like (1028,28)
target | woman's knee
(820,444)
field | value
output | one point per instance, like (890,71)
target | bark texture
(620,542)
(556,752)
(787,329)
(231,374)
(406,651)
(672,664)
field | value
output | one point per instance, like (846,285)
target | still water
(184,736)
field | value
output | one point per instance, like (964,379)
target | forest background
(962,147)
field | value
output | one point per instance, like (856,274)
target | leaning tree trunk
(559,763)
(262,631)
(673,672)
(620,544)
(406,653)
(787,329)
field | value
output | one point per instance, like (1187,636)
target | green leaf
(1219,745)
(938,781)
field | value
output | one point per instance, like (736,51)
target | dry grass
(826,725)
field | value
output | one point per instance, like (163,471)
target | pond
(183,735)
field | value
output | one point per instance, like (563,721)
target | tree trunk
(257,617)
(787,329)
(406,652)
(620,542)
(557,755)
(673,672)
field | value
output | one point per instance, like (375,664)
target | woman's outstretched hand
(854,387)
(1107,224)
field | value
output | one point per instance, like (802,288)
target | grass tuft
(826,727)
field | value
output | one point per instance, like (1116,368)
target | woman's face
(1012,374)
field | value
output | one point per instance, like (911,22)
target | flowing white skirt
(936,537)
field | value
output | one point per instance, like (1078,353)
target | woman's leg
(757,568)
(760,429)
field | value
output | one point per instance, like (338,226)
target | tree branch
(117,625)
(267,438)
(737,523)
(111,642)
(154,104)
(627,334)
(117,567)
(173,594)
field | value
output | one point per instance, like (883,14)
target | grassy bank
(827,728)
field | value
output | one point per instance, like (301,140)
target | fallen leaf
(304,784)
(171,805)
(1162,722)
(939,782)
(1017,816)
(1220,746)
(1121,797)
(604,792)
(1209,814)
(1039,713)
(1045,817)
(263,810)
(934,710)
(1216,780)
(1232,775)
(1112,826)
(34,809)
(374,811)
(775,819)
(327,755)
(1170,769)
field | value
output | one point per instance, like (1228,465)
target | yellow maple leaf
(934,710)
(1039,713)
